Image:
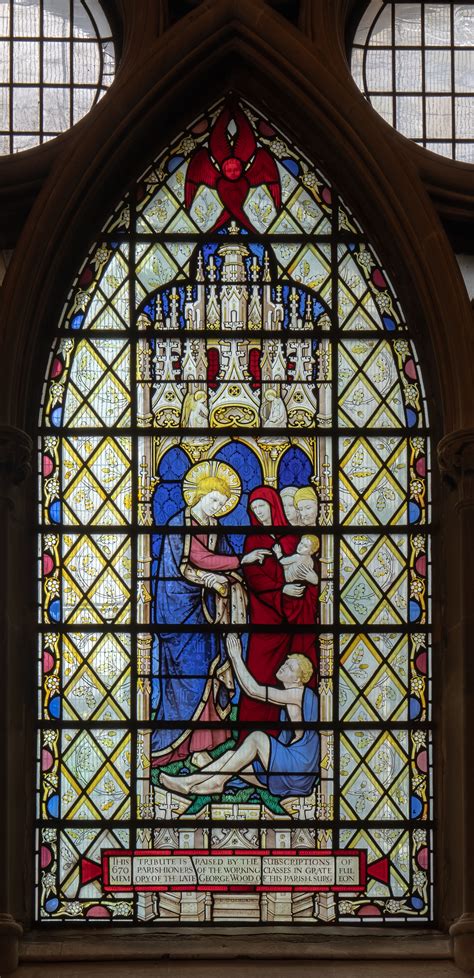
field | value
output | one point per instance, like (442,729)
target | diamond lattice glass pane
(234,648)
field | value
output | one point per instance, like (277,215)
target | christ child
(300,565)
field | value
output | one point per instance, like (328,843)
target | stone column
(456,461)
(15,452)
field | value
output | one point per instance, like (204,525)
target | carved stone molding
(10,934)
(15,457)
(462,935)
(15,454)
(456,462)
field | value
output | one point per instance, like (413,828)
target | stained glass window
(56,61)
(415,64)
(234,603)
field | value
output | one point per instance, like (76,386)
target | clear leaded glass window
(415,64)
(234,648)
(56,61)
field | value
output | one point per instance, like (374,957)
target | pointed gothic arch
(236,277)
(229,48)
(409,221)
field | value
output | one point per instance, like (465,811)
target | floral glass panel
(234,669)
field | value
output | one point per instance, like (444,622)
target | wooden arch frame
(306,85)
(246,46)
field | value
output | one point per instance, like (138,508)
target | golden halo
(214,470)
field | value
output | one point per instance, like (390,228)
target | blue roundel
(54,511)
(54,707)
(414,512)
(54,610)
(415,708)
(53,806)
(389,323)
(414,610)
(417,903)
(77,321)
(51,905)
(411,417)
(292,166)
(56,416)
(416,806)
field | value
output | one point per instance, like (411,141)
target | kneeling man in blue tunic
(287,765)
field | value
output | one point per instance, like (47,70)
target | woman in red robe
(273,603)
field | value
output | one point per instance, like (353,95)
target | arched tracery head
(233,329)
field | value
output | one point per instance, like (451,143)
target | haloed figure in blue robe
(195,583)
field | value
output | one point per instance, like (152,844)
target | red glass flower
(231,166)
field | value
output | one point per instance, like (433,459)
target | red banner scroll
(233,870)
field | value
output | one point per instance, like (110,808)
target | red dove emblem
(231,166)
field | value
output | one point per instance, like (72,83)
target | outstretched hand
(255,556)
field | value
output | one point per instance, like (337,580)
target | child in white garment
(297,565)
